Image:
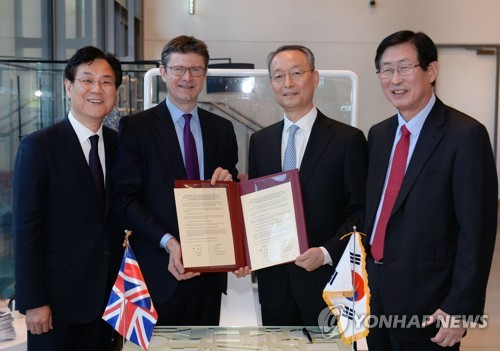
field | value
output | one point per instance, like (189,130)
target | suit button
(106,253)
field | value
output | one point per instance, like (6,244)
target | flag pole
(353,269)
(128,233)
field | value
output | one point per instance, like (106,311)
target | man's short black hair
(87,55)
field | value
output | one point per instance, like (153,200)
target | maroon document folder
(234,192)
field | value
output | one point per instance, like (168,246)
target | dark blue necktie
(190,154)
(95,167)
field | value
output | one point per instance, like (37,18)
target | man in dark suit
(332,159)
(67,249)
(440,220)
(152,153)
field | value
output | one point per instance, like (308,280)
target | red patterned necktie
(396,176)
(190,154)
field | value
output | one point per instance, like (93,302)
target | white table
(20,343)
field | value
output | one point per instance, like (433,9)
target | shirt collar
(82,132)
(305,123)
(415,124)
(176,113)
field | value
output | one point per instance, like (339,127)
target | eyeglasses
(403,70)
(295,75)
(87,83)
(179,71)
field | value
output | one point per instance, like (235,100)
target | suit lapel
(379,162)
(209,139)
(72,149)
(109,146)
(429,138)
(274,148)
(322,133)
(164,125)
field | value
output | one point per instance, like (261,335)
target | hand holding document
(175,266)
(311,260)
(256,223)
(242,272)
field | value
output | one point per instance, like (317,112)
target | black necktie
(95,167)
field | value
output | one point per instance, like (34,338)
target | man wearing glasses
(173,140)
(332,161)
(67,248)
(431,207)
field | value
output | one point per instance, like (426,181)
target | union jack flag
(130,309)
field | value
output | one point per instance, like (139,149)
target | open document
(258,223)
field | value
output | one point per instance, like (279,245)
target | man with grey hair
(332,160)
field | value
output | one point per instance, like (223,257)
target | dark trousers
(197,301)
(76,337)
(289,313)
(381,338)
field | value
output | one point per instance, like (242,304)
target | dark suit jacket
(441,233)
(148,161)
(67,250)
(333,179)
